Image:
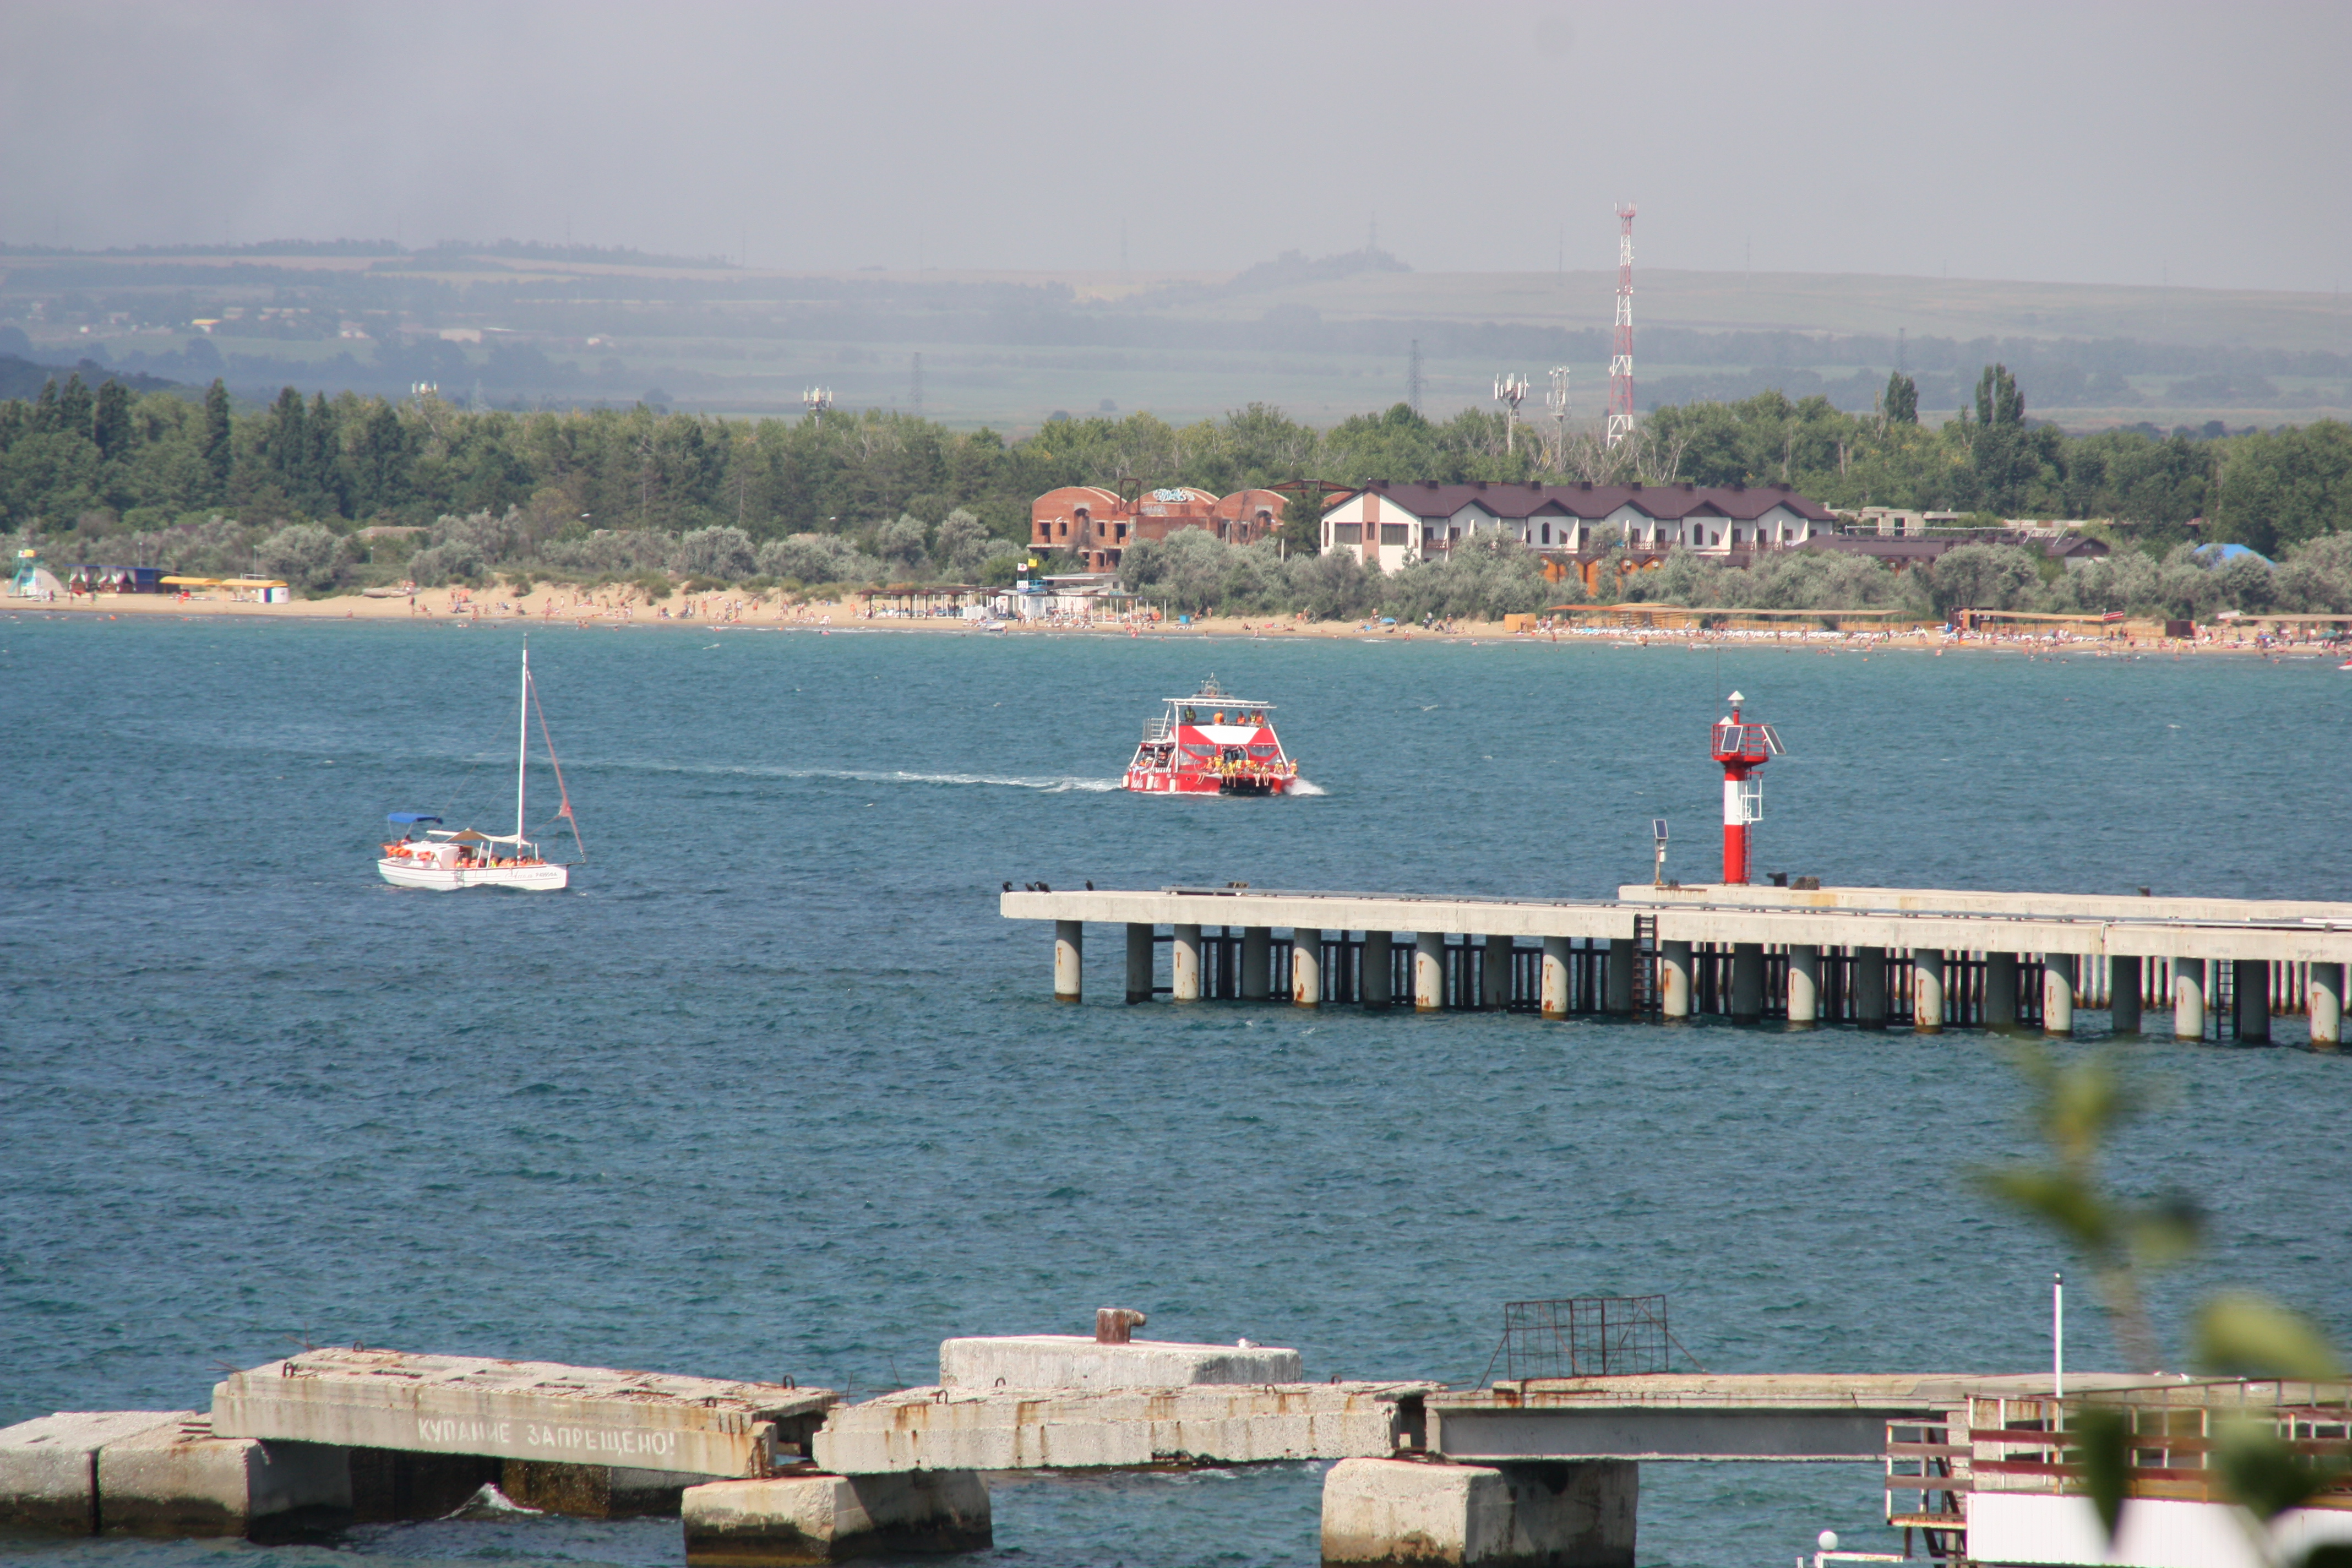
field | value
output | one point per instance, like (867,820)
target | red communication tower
(1741,747)
(1621,361)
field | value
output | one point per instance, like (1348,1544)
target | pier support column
(1185,961)
(1927,990)
(2187,998)
(1139,963)
(1306,968)
(2253,984)
(1555,977)
(1747,982)
(1428,971)
(1578,1514)
(2326,1005)
(2123,993)
(2057,992)
(1675,979)
(1805,986)
(1870,987)
(1619,997)
(1069,959)
(1378,975)
(2000,991)
(1258,963)
(1495,981)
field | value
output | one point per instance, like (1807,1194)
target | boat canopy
(411,818)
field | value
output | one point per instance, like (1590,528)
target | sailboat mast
(523,743)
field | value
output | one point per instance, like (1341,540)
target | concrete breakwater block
(179,1479)
(1507,1516)
(792,1520)
(972,1429)
(1075,1361)
(49,1465)
(521,1410)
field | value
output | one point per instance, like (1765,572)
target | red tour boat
(1211,743)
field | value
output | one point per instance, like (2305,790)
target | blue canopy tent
(411,819)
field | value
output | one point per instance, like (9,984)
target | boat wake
(1306,786)
(1043,785)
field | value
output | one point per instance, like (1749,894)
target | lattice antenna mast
(1556,400)
(1412,379)
(1621,361)
(1510,390)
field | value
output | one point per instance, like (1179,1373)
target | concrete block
(1073,1361)
(596,1491)
(49,1465)
(521,1410)
(1522,1516)
(180,1480)
(793,1520)
(1069,1430)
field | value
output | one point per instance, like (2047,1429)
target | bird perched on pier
(1008,887)
(1090,887)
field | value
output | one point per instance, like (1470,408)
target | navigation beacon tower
(1741,747)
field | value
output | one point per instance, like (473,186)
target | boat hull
(449,879)
(1150,780)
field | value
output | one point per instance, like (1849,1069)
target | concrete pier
(1619,997)
(1746,983)
(1495,979)
(1081,1360)
(1428,971)
(2125,985)
(1805,986)
(1675,979)
(2326,1005)
(1306,968)
(1927,990)
(796,1520)
(1554,1001)
(2251,985)
(180,1480)
(1184,964)
(2188,998)
(1480,1516)
(2057,992)
(1870,987)
(1139,963)
(521,1410)
(2000,991)
(1069,959)
(1378,975)
(1257,964)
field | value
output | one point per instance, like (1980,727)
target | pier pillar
(1379,985)
(2187,998)
(1555,977)
(1139,963)
(1495,983)
(1258,963)
(1804,984)
(1428,971)
(1620,997)
(1185,955)
(2253,984)
(2000,991)
(2123,993)
(1306,968)
(1870,987)
(1927,990)
(824,1519)
(1069,959)
(1675,979)
(1576,1514)
(1747,982)
(2058,993)
(2326,1005)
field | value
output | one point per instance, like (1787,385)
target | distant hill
(24,378)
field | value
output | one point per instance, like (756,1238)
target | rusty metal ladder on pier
(1928,1467)
(1646,1001)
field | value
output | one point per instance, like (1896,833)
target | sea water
(773,1090)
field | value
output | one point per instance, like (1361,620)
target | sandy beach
(586,610)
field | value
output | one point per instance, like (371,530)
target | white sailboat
(445,861)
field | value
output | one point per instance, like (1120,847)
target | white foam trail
(1307,787)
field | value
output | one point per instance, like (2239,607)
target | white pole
(522,745)
(2058,1336)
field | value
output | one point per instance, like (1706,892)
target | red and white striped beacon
(1741,747)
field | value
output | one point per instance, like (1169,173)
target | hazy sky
(2077,143)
